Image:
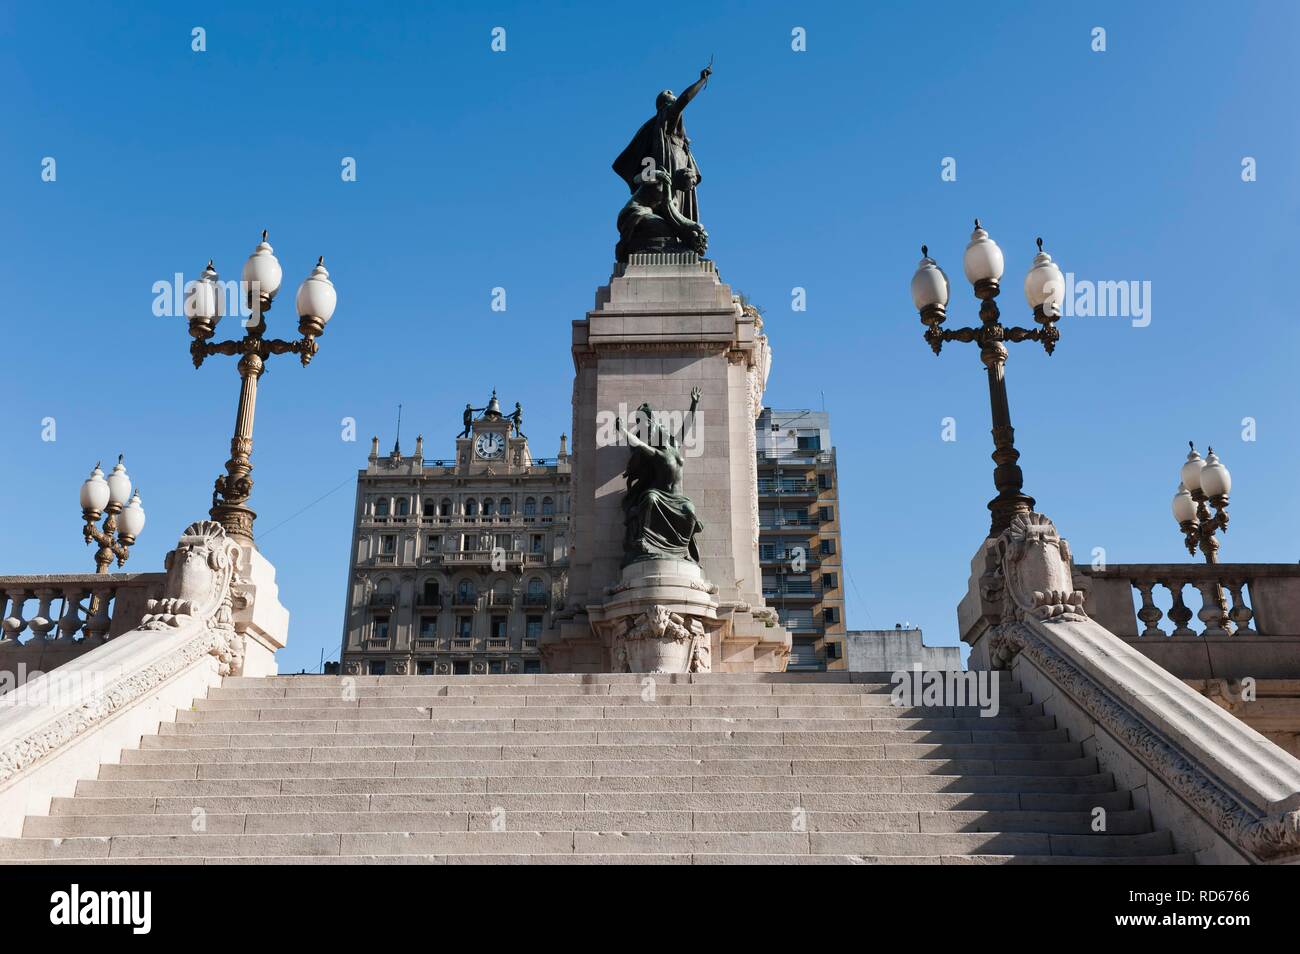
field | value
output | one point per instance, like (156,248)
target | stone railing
(1202,621)
(46,621)
(1225,792)
(1226,599)
(215,612)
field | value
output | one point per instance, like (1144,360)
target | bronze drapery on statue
(659,520)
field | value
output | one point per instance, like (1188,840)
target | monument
(664,573)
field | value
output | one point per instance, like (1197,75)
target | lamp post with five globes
(204,308)
(1044,290)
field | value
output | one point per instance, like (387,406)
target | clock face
(489,446)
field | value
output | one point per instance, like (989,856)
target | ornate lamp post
(124,520)
(1044,290)
(1202,481)
(204,307)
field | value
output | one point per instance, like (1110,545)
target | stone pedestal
(662,616)
(666,324)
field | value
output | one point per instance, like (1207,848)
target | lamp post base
(1004,509)
(235,519)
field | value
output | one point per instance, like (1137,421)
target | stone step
(639,858)
(587,842)
(721,692)
(324,703)
(353,712)
(194,723)
(410,752)
(500,819)
(1101,782)
(354,735)
(570,679)
(586,768)
(593,801)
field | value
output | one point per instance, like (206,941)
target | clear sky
(822,170)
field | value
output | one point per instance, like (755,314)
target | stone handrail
(1232,599)
(217,614)
(72,609)
(1147,727)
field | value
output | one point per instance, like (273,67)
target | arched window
(381,507)
(535,586)
(430,509)
(465,593)
(504,509)
(430,594)
(489,506)
(444,508)
(530,507)
(471,507)
(403,507)
(548,507)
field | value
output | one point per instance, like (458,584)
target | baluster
(1149,613)
(1213,608)
(42,622)
(1179,612)
(70,621)
(14,623)
(1241,614)
(98,620)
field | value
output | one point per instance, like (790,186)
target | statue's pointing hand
(696,394)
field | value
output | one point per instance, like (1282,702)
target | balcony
(461,642)
(787,488)
(464,599)
(484,557)
(383,600)
(789,593)
(498,643)
(537,599)
(809,555)
(429,601)
(501,600)
(803,523)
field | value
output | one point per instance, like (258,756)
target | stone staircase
(766,768)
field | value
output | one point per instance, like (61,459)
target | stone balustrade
(1225,791)
(1202,621)
(48,620)
(1205,600)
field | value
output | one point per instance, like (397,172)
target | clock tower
(492,443)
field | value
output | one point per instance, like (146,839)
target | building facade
(457,564)
(799,534)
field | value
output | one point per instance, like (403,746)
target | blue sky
(821,170)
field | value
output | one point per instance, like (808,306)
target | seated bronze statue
(659,520)
(650,222)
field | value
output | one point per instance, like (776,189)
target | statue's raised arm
(688,94)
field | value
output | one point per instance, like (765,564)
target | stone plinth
(664,325)
(662,616)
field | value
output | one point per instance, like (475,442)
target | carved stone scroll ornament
(1028,574)
(200,581)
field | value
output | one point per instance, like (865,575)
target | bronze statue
(659,520)
(650,222)
(468,419)
(517,419)
(661,145)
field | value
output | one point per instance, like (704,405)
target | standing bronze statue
(659,520)
(659,169)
